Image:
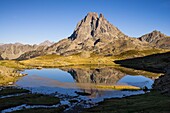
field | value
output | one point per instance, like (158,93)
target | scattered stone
(10,83)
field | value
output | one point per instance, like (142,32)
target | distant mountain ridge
(46,43)
(93,34)
(14,51)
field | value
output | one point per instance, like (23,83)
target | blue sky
(33,21)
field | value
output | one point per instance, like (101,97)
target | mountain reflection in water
(78,79)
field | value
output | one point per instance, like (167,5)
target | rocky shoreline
(163,82)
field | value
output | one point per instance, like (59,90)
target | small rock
(10,83)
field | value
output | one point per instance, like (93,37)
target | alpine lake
(87,86)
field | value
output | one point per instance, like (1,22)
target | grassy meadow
(152,102)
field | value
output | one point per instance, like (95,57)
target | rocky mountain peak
(154,36)
(46,43)
(94,26)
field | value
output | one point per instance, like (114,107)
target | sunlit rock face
(97,76)
(92,26)
(95,34)
(157,39)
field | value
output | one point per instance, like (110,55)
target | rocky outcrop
(157,38)
(93,26)
(163,82)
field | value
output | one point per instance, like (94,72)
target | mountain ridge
(94,34)
(15,50)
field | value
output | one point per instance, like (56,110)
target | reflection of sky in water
(55,80)
(139,81)
(55,74)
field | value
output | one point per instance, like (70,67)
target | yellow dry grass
(118,87)
(58,61)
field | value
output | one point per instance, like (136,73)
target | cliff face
(93,26)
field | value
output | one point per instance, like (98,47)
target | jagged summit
(94,26)
(46,43)
(95,34)
(152,37)
(157,39)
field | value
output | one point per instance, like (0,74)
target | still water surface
(68,81)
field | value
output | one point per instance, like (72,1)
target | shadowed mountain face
(97,76)
(153,63)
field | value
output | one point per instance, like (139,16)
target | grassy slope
(13,64)
(42,110)
(77,59)
(153,102)
(152,63)
(8,75)
(26,98)
(8,71)
(29,99)
(58,61)
(10,91)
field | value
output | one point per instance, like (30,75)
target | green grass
(118,87)
(10,90)
(42,110)
(59,61)
(13,64)
(153,102)
(30,99)
(136,53)
(8,71)
(8,75)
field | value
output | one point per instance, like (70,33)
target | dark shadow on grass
(156,63)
